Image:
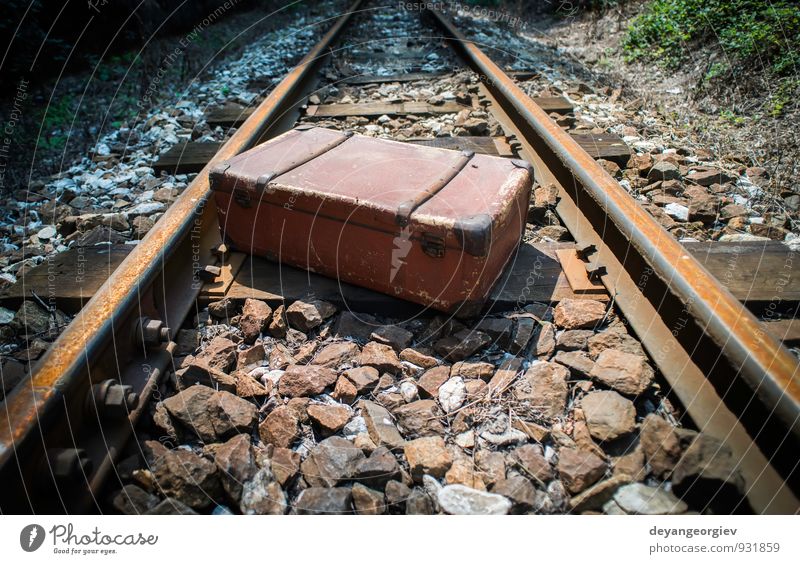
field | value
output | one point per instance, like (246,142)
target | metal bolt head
(112,399)
(69,463)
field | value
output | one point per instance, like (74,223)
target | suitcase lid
(384,184)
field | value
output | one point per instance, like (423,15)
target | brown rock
(663,170)
(299,407)
(708,472)
(504,376)
(578,362)
(523,332)
(392,335)
(306,351)
(278,325)
(381,357)
(545,341)
(219,353)
(616,340)
(329,419)
(499,330)
(133,500)
(430,382)
(396,495)
(492,464)
(574,340)
(544,385)
(335,354)
(308,315)
(189,478)
(427,455)
(594,497)
(419,503)
(579,469)
(579,314)
(280,428)
(530,460)
(187,342)
(285,464)
(262,496)
(536,432)
(467,370)
(325,501)
(462,345)
(280,357)
(662,444)
(364,378)
(331,462)
(464,472)
(344,391)
(630,464)
(709,177)
(356,326)
(236,464)
(627,373)
(305,380)
(475,389)
(250,388)
(222,309)
(196,371)
(608,415)
(251,357)
(420,418)
(254,319)
(211,415)
(417,358)
(378,469)
(367,501)
(519,490)
(380,425)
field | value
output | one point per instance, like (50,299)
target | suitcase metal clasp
(432,245)
(242,197)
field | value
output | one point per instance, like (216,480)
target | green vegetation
(748,31)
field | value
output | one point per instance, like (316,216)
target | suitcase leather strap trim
(405,209)
(242,196)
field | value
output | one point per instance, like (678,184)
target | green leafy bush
(748,31)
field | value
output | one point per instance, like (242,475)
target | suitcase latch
(242,197)
(432,245)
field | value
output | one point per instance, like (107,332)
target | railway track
(67,430)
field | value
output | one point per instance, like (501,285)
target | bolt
(112,399)
(69,463)
(151,332)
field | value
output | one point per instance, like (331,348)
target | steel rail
(152,281)
(650,276)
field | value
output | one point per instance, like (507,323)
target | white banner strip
(399,539)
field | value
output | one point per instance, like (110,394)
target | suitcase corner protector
(475,233)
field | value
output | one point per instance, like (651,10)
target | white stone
(466,439)
(47,232)
(356,426)
(452,394)
(461,500)
(677,211)
(741,237)
(409,391)
(639,499)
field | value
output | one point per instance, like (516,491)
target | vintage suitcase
(429,225)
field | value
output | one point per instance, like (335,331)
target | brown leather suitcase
(429,225)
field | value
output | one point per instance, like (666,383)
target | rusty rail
(652,279)
(47,436)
